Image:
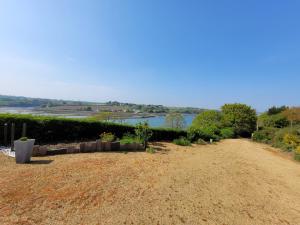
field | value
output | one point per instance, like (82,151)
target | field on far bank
(232,182)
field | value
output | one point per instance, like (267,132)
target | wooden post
(24,130)
(12,136)
(5,134)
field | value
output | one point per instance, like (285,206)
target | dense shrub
(265,135)
(297,153)
(205,133)
(277,120)
(286,139)
(227,132)
(240,117)
(107,137)
(207,119)
(278,140)
(182,141)
(53,130)
(129,139)
(291,140)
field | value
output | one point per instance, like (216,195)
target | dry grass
(233,182)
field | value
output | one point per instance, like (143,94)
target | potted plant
(23,149)
(108,142)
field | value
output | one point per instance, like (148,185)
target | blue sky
(170,52)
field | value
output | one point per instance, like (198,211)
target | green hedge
(53,130)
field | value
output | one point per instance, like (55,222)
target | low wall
(87,147)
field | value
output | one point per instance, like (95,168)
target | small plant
(129,139)
(200,142)
(150,150)
(143,133)
(182,141)
(297,153)
(23,139)
(107,137)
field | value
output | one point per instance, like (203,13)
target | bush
(109,137)
(207,118)
(265,135)
(297,150)
(143,133)
(206,134)
(48,130)
(285,138)
(291,140)
(182,141)
(277,120)
(129,139)
(227,133)
(240,117)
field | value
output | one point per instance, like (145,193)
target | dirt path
(232,182)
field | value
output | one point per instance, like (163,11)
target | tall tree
(207,118)
(276,110)
(240,117)
(292,114)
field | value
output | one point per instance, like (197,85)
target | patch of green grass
(129,139)
(150,150)
(182,141)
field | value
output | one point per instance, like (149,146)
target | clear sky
(171,52)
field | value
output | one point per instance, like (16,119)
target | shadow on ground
(160,147)
(40,162)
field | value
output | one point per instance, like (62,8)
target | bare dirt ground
(232,182)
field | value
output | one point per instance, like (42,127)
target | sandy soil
(232,182)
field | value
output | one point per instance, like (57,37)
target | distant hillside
(112,106)
(19,101)
(131,107)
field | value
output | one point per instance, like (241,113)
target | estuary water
(157,121)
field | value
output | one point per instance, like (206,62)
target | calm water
(158,121)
